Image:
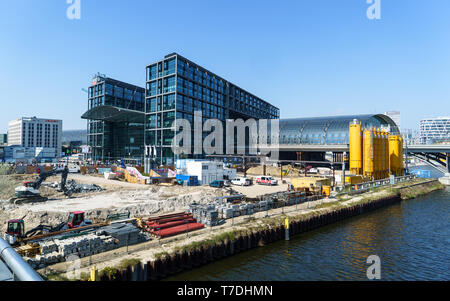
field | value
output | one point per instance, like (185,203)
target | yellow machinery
(368,154)
(374,154)
(400,158)
(354,179)
(326,190)
(386,155)
(395,155)
(356,158)
(312,184)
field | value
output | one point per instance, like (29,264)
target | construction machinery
(25,242)
(29,192)
(311,185)
(15,234)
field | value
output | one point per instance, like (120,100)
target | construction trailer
(206,171)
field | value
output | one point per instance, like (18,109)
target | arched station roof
(329,130)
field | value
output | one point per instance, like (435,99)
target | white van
(266,180)
(241,182)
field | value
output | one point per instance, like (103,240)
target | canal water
(412,240)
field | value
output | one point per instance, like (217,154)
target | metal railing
(363,187)
(20,269)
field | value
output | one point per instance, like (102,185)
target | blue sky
(308,57)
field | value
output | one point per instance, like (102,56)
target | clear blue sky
(308,57)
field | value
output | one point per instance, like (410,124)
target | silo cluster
(374,153)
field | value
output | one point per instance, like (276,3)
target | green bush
(111,272)
(124,264)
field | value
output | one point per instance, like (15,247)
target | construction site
(102,214)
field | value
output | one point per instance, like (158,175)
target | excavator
(26,243)
(16,236)
(29,192)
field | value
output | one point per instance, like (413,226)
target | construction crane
(29,192)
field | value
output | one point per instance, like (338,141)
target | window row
(160,120)
(161,69)
(160,86)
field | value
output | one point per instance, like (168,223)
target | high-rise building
(35,132)
(176,88)
(3,139)
(435,130)
(115,120)
(395,116)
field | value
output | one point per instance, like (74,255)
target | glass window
(168,118)
(154,121)
(150,138)
(152,72)
(169,67)
(152,88)
(118,91)
(169,84)
(128,94)
(168,137)
(169,102)
(109,89)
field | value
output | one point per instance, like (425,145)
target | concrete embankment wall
(234,243)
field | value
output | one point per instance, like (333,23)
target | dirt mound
(9,182)
(259,171)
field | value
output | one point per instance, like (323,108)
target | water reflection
(411,239)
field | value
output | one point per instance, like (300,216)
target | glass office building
(176,88)
(435,130)
(115,120)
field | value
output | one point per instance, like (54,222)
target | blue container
(426,174)
(191,180)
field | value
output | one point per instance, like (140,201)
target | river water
(412,240)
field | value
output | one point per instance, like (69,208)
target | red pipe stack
(172,224)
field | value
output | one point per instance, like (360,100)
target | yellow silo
(382,157)
(377,151)
(394,148)
(368,154)
(356,159)
(386,154)
(400,157)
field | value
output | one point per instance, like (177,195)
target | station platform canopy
(331,130)
(114,114)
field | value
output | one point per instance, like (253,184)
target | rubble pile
(225,207)
(73,187)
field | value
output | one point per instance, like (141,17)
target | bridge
(439,154)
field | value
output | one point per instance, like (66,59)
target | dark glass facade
(176,88)
(115,120)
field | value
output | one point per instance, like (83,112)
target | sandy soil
(139,200)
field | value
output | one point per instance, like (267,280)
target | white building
(435,130)
(395,116)
(43,134)
(206,171)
